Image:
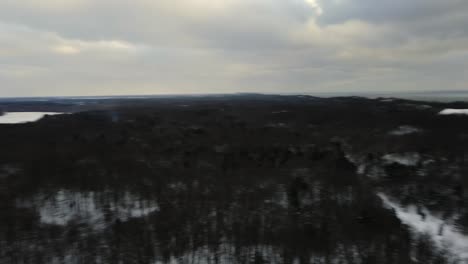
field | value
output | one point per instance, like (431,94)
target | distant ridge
(443,96)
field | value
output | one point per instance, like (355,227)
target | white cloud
(232,45)
(72,47)
(17,40)
(66,49)
(315,5)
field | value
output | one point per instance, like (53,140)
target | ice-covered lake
(23,117)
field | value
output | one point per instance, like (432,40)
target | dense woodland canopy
(237,179)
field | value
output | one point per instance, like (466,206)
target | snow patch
(454,112)
(227,253)
(406,159)
(404,130)
(444,234)
(92,208)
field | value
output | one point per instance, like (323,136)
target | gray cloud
(84,47)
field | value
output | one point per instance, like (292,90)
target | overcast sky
(105,47)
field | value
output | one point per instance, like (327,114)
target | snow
(89,208)
(454,112)
(229,253)
(406,159)
(23,117)
(444,234)
(404,130)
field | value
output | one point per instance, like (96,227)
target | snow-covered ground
(444,234)
(230,254)
(91,208)
(406,159)
(23,117)
(404,130)
(454,112)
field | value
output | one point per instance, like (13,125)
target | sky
(118,47)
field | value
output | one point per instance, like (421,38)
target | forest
(234,179)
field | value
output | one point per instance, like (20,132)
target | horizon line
(142,96)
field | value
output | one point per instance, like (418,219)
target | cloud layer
(85,47)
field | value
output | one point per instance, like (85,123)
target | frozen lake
(23,117)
